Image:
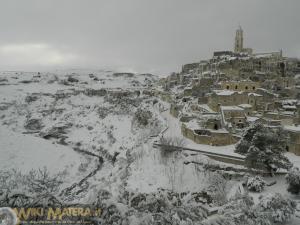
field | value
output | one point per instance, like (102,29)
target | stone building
(233,117)
(171,81)
(188,67)
(222,54)
(239,42)
(233,98)
(243,85)
(200,135)
(294,141)
(200,87)
(282,117)
(256,100)
(225,98)
(241,88)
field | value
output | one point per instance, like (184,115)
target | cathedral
(239,43)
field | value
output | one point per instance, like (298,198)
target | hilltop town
(217,99)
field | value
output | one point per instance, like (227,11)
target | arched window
(246,87)
(236,87)
(253,88)
(227,87)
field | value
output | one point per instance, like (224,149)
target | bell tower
(238,44)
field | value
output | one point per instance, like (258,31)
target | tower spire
(238,44)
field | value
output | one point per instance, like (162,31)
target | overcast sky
(155,36)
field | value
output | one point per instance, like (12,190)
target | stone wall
(294,142)
(234,99)
(187,67)
(175,109)
(247,86)
(210,138)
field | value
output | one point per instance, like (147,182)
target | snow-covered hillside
(90,136)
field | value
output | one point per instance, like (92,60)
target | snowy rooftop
(289,107)
(193,124)
(238,81)
(290,101)
(263,55)
(245,105)
(254,94)
(290,113)
(206,107)
(231,108)
(267,91)
(292,128)
(252,118)
(226,92)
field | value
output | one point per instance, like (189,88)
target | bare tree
(41,181)
(168,145)
(217,186)
(173,169)
(35,187)
(171,157)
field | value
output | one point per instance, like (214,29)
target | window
(236,87)
(253,88)
(246,87)
(227,87)
(216,127)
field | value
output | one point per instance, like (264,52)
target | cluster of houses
(217,99)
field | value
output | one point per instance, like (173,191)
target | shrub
(256,184)
(293,180)
(277,208)
(142,117)
(217,187)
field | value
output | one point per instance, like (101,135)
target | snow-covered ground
(48,120)
(85,124)
(25,152)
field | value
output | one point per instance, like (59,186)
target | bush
(238,211)
(34,124)
(217,188)
(272,209)
(30,189)
(142,117)
(277,208)
(293,180)
(256,184)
